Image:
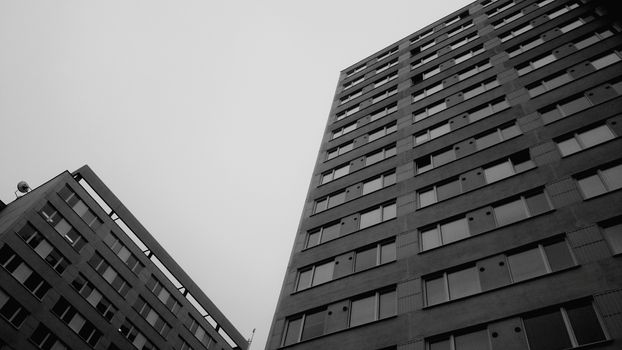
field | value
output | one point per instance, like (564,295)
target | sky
(203,117)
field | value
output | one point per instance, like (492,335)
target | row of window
(503,213)
(361,259)
(368,308)
(11,310)
(152,317)
(569,326)
(520,265)
(109,274)
(80,208)
(583,139)
(375,115)
(368,186)
(371,136)
(62,226)
(375,99)
(492,172)
(35,240)
(368,218)
(123,253)
(462,75)
(94,297)
(369,159)
(158,289)
(76,322)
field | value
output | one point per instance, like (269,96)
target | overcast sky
(203,117)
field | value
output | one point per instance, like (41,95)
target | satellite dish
(23,187)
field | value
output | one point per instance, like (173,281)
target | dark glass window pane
(463,283)
(547,331)
(330,232)
(314,325)
(527,264)
(538,204)
(585,324)
(365,259)
(304,279)
(362,311)
(448,190)
(558,256)
(472,341)
(614,235)
(435,291)
(323,273)
(388,304)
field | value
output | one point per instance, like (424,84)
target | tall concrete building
(466,193)
(78,271)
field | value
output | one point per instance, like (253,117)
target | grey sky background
(203,117)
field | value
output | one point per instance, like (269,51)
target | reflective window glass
(463,283)
(371,218)
(323,273)
(547,331)
(526,265)
(591,186)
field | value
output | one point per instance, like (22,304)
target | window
(439,192)
(330,201)
(353,82)
(473,70)
(383,112)
(152,317)
(427,45)
(585,139)
(339,150)
(184,345)
(344,130)
(381,96)
(353,71)
(549,83)
(11,310)
(198,331)
(524,46)
(565,108)
(461,28)
(379,182)
(380,155)
(424,60)
(444,233)
(16,266)
(323,234)
(521,208)
(603,181)
(480,88)
(467,39)
(544,3)
(348,112)
(74,320)
(64,228)
(373,307)
(561,10)
(565,327)
(539,260)
(515,164)
(489,2)
(109,274)
(507,19)
(158,289)
(572,25)
(496,136)
(456,19)
(469,54)
(432,133)
(80,208)
(373,256)
(422,35)
(382,132)
(94,297)
(43,248)
(420,95)
(314,275)
(429,110)
(605,60)
(516,32)
(487,110)
(431,72)
(335,173)
(500,9)
(377,215)
(386,66)
(123,253)
(350,96)
(452,285)
(435,160)
(387,53)
(138,339)
(595,37)
(613,234)
(536,63)
(473,340)
(44,339)
(385,80)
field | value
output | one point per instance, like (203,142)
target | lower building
(78,271)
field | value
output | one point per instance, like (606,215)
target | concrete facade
(88,275)
(495,84)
